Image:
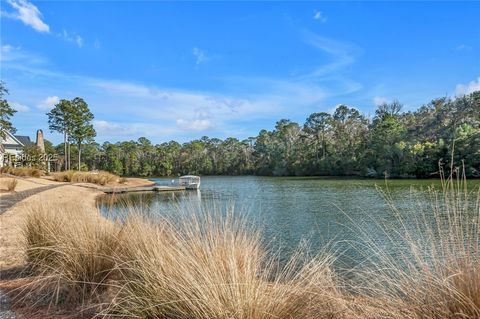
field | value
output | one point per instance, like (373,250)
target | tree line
(343,143)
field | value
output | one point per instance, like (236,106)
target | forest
(392,144)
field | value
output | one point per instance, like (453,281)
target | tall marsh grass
(100,178)
(71,257)
(22,171)
(437,274)
(210,264)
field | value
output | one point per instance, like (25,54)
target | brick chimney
(40,144)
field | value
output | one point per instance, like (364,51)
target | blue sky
(181,70)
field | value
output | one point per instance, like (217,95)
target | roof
(9,139)
(25,140)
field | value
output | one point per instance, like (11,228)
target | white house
(12,145)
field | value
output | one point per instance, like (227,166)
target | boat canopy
(190,177)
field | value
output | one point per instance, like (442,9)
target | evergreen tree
(6,112)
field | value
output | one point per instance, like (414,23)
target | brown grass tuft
(71,257)
(22,171)
(99,178)
(437,273)
(207,266)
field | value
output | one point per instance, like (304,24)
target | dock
(153,188)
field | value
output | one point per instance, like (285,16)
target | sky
(182,70)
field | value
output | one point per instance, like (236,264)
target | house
(12,145)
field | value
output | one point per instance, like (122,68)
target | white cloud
(463,89)
(379,100)
(343,53)
(108,129)
(174,113)
(200,56)
(202,110)
(79,41)
(320,16)
(194,124)
(28,14)
(19,59)
(7,48)
(114,128)
(19,107)
(48,102)
(72,37)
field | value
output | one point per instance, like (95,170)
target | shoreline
(11,220)
(12,256)
(148,245)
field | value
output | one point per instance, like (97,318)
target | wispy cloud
(163,113)
(19,107)
(201,56)
(342,53)
(194,124)
(28,14)
(15,54)
(380,100)
(320,16)
(471,87)
(109,129)
(72,37)
(48,102)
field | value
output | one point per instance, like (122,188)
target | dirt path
(7,201)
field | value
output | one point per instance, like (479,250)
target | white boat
(189,181)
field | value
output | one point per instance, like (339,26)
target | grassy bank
(99,178)
(22,171)
(209,264)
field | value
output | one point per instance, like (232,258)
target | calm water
(327,212)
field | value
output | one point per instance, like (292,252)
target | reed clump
(22,171)
(72,258)
(207,266)
(199,266)
(437,273)
(99,178)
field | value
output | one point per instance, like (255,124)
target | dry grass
(437,275)
(72,258)
(10,184)
(99,178)
(208,264)
(22,171)
(199,266)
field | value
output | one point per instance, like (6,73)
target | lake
(329,213)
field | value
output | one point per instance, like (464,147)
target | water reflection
(329,213)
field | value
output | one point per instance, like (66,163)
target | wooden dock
(153,188)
